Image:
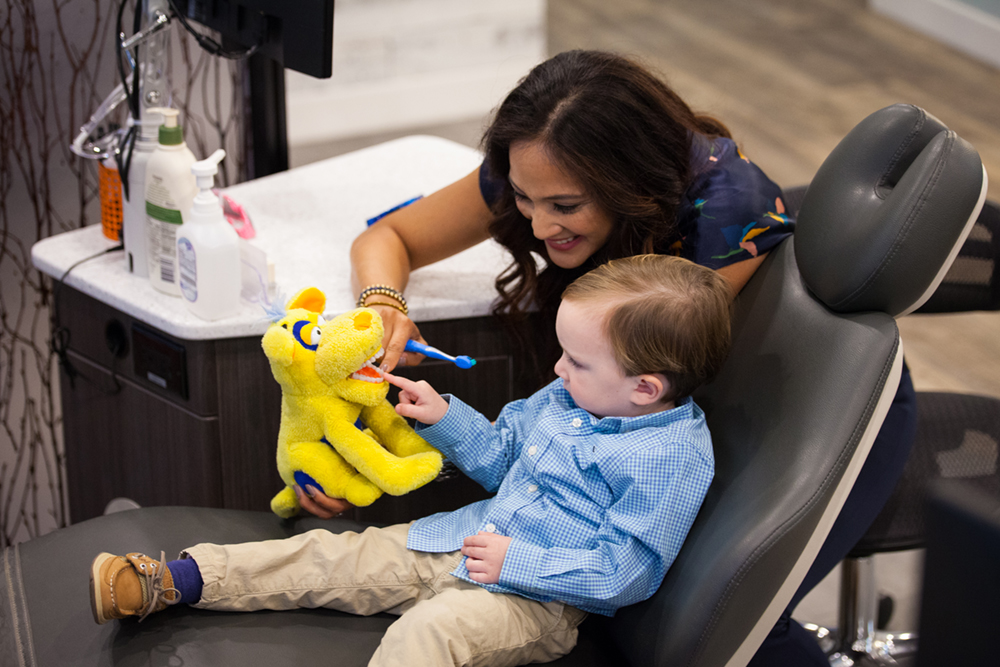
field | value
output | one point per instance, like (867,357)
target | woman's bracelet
(384,290)
(386,303)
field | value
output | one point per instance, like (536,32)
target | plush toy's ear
(310,298)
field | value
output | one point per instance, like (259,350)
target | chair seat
(54,626)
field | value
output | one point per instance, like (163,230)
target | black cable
(59,341)
(121,65)
(131,97)
(209,44)
(123,159)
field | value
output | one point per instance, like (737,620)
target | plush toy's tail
(285,504)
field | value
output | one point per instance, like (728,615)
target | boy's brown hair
(666,315)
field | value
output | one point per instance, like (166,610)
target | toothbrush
(462,361)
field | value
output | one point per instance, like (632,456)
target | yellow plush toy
(329,378)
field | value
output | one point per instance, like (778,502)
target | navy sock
(187,579)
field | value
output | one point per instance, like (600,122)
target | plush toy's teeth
(373,374)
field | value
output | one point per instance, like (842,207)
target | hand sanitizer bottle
(170,187)
(208,251)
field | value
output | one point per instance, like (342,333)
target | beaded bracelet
(384,290)
(386,303)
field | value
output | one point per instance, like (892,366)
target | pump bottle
(134,213)
(170,190)
(208,251)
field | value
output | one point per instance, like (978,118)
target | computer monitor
(297,34)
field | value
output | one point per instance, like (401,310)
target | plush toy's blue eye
(313,333)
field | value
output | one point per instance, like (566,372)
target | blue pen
(372,221)
(461,361)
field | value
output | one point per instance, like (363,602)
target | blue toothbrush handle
(462,361)
(427,350)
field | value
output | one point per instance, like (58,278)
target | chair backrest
(815,362)
(973,282)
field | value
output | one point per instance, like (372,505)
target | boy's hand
(485,552)
(418,400)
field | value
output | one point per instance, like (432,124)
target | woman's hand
(398,329)
(317,503)
(440,225)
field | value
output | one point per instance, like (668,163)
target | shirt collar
(681,410)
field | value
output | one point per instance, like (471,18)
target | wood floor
(791,78)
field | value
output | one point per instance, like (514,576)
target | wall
(405,63)
(971,26)
(56,66)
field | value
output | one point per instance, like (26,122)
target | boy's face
(590,373)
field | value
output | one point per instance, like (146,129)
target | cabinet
(167,421)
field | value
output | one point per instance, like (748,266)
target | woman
(590,158)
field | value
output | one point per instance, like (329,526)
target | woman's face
(562,214)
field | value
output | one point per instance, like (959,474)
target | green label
(165,214)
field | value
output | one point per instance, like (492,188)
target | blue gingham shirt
(597,509)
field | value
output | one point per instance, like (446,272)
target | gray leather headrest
(887,212)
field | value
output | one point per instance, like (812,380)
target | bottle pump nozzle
(205,170)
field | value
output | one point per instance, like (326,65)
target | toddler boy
(598,478)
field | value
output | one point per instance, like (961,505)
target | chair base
(857,641)
(881,649)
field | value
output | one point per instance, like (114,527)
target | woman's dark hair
(623,134)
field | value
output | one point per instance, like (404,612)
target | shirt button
(577,422)
(532,450)
(490,528)
(532,488)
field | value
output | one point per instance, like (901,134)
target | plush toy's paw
(285,504)
(412,472)
(361,492)
(409,444)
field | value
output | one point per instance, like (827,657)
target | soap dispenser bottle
(170,189)
(208,250)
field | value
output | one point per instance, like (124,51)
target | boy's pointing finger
(398,381)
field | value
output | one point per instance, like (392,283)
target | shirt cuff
(450,428)
(520,566)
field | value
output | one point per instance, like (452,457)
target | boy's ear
(650,388)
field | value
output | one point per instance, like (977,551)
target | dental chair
(957,438)
(815,362)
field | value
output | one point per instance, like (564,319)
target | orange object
(110,189)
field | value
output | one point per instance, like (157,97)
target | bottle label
(188,268)
(162,246)
(171,215)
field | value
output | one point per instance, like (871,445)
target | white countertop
(306,219)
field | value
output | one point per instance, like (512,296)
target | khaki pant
(444,620)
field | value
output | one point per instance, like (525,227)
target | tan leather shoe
(130,585)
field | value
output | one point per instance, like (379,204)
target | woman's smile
(562,245)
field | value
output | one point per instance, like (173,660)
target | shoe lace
(154,585)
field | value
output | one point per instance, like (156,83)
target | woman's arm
(433,228)
(739,274)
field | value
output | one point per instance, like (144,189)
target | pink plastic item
(236,215)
